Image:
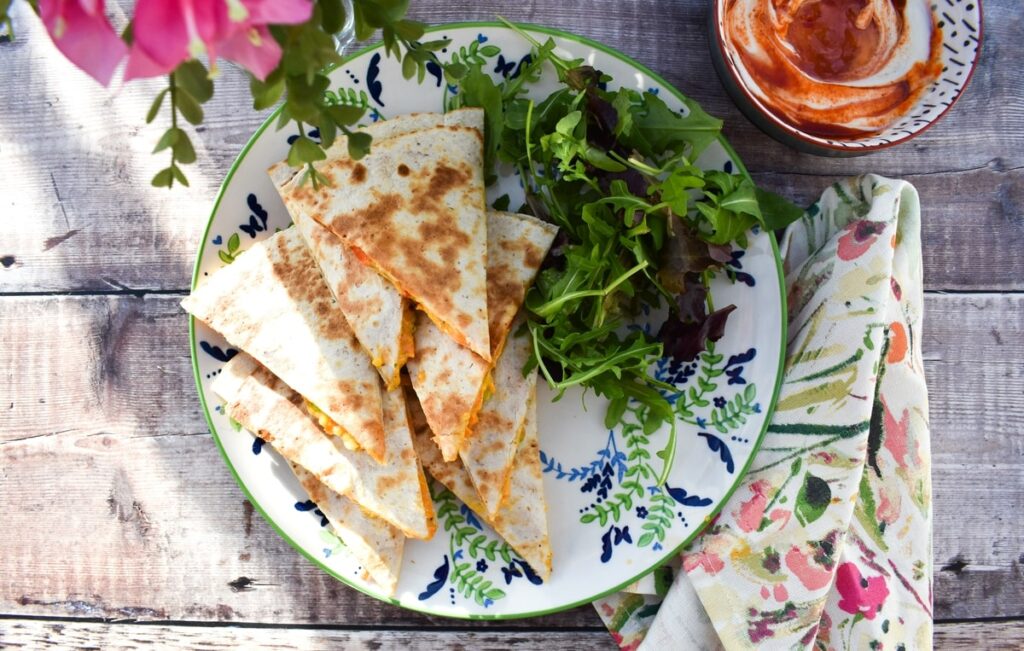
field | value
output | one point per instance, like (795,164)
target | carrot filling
(332,427)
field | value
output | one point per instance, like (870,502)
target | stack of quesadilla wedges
(396,296)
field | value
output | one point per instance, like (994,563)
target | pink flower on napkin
(812,575)
(708,561)
(857,238)
(859,595)
(167,32)
(751,512)
(80,30)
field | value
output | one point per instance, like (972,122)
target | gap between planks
(39,633)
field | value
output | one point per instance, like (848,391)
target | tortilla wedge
(450,380)
(283,174)
(522,519)
(380,318)
(377,545)
(376,311)
(489,453)
(272,303)
(394,491)
(410,208)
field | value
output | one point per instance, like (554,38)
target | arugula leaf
(776,212)
(663,130)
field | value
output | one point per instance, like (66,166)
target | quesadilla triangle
(374,543)
(380,318)
(395,490)
(488,454)
(450,380)
(273,303)
(410,209)
(522,519)
(282,174)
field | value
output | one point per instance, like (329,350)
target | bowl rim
(812,141)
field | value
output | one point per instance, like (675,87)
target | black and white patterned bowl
(961,24)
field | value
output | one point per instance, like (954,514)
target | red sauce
(812,61)
(829,39)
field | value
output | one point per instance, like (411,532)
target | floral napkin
(827,542)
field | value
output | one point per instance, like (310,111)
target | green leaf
(663,130)
(183,151)
(408,67)
(304,150)
(154,108)
(163,179)
(344,115)
(191,77)
(179,175)
(454,71)
(169,138)
(233,243)
(490,50)
(188,107)
(332,15)
(359,144)
(776,211)
(225,257)
(812,500)
(266,94)
(409,30)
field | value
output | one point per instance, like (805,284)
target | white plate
(605,531)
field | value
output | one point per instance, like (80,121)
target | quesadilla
(374,543)
(450,380)
(378,314)
(489,453)
(522,519)
(272,303)
(411,209)
(380,318)
(394,490)
(283,174)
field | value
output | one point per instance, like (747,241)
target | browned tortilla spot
(403,170)
(358,173)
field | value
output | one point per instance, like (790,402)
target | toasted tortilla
(450,380)
(488,454)
(380,317)
(283,174)
(522,519)
(394,490)
(272,303)
(374,543)
(410,209)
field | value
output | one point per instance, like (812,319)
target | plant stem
(174,121)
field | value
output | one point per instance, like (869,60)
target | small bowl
(961,24)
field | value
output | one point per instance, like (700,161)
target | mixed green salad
(641,226)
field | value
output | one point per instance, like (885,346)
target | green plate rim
(550,31)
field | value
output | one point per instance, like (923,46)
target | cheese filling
(331,427)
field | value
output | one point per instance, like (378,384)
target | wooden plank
(33,634)
(117,504)
(80,214)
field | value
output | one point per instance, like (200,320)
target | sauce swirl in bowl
(837,69)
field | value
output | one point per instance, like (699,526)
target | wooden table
(119,523)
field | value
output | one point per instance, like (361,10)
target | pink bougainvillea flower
(859,595)
(167,32)
(857,238)
(80,30)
